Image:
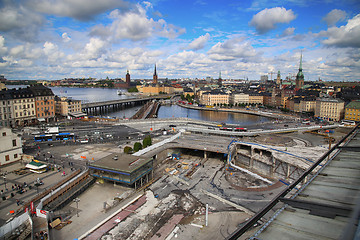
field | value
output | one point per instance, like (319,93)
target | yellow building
(330,109)
(239,98)
(155,89)
(65,106)
(214,98)
(256,99)
(352,111)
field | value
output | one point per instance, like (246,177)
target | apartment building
(214,98)
(10,146)
(66,107)
(44,103)
(256,99)
(352,111)
(239,98)
(330,109)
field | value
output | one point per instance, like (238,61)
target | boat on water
(119,92)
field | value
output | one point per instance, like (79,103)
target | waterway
(87,95)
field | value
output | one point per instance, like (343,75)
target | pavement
(49,179)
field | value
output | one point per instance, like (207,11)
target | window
(4,134)
(15,156)
(7,158)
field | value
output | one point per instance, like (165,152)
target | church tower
(155,77)
(299,82)
(278,78)
(127,78)
(220,79)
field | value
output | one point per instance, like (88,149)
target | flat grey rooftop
(324,208)
(120,162)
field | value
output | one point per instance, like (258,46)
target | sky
(57,39)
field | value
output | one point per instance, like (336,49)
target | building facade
(330,109)
(65,106)
(256,99)
(10,146)
(44,103)
(214,98)
(239,98)
(352,111)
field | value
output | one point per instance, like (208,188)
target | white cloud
(79,9)
(66,37)
(136,26)
(51,50)
(334,16)
(3,49)
(232,49)
(18,50)
(267,19)
(344,36)
(199,43)
(19,22)
(288,32)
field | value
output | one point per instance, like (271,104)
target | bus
(54,137)
(43,138)
(65,136)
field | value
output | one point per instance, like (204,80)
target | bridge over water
(115,105)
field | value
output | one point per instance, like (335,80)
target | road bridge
(114,105)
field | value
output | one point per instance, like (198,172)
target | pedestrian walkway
(111,223)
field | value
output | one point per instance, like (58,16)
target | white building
(10,146)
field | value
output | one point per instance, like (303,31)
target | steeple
(220,75)
(155,77)
(300,76)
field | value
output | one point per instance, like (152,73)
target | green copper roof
(354,105)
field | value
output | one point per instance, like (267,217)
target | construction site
(190,187)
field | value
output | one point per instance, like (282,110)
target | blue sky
(56,39)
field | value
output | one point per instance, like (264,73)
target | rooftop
(120,162)
(354,105)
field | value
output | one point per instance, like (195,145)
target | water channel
(87,95)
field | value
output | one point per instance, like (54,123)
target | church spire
(155,77)
(300,68)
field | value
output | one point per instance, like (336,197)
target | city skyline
(43,39)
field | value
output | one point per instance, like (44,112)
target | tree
(137,146)
(133,89)
(128,150)
(147,141)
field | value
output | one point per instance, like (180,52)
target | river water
(87,95)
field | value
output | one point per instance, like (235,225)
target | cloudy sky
(56,39)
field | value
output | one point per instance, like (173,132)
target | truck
(52,130)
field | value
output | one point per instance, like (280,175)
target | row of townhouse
(330,109)
(215,98)
(31,105)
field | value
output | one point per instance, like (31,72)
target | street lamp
(77,200)
(4,182)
